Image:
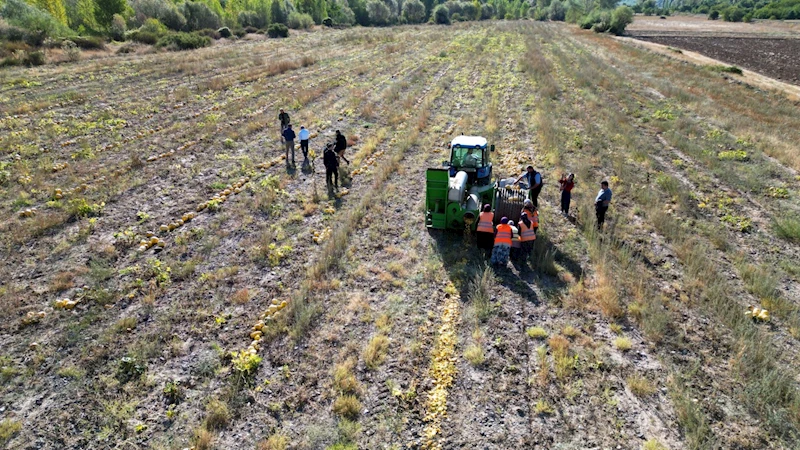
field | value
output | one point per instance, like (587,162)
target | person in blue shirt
(601,203)
(304,135)
(534,181)
(288,137)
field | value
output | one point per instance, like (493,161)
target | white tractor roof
(469,141)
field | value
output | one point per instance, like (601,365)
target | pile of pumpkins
(319,236)
(33,317)
(178,223)
(151,241)
(65,303)
(258,329)
(229,190)
(62,166)
(368,163)
(758,314)
(27,212)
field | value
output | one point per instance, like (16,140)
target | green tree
(379,13)
(278,12)
(104,11)
(441,15)
(55,8)
(414,11)
(620,18)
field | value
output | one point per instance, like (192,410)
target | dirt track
(776,58)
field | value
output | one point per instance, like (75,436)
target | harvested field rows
(366,329)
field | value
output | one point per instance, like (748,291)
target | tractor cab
(470,154)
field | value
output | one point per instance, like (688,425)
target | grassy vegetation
(379,316)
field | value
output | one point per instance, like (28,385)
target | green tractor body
(455,192)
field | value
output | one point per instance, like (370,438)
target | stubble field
(393,336)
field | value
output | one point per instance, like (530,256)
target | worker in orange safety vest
(502,243)
(527,235)
(485,229)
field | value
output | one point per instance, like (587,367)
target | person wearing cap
(527,207)
(601,203)
(516,244)
(288,137)
(285,120)
(485,231)
(527,235)
(341,146)
(502,243)
(304,136)
(534,216)
(534,182)
(566,185)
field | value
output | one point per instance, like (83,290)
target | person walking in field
(566,185)
(304,135)
(533,180)
(502,244)
(601,203)
(288,138)
(341,146)
(485,231)
(285,120)
(331,162)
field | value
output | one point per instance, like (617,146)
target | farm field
(767,47)
(150,222)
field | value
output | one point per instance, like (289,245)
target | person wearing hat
(485,231)
(502,243)
(527,207)
(601,203)
(288,137)
(527,235)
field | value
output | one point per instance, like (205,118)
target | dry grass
(344,380)
(640,386)
(375,352)
(241,297)
(536,332)
(203,439)
(218,415)
(277,441)
(623,343)
(347,406)
(474,354)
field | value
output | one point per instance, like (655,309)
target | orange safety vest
(485,223)
(526,233)
(503,236)
(535,219)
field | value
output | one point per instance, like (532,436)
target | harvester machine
(456,191)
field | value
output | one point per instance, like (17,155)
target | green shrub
(249,19)
(118,28)
(198,16)
(727,69)
(456,17)
(143,37)
(379,14)
(8,428)
(130,369)
(224,32)
(441,15)
(733,155)
(278,30)
(713,15)
(34,21)
(89,42)
(183,41)
(213,34)
(620,18)
(71,51)
(300,21)
(556,11)
(154,26)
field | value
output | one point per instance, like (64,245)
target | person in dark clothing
(485,230)
(285,120)
(331,162)
(567,183)
(601,203)
(288,137)
(534,182)
(341,145)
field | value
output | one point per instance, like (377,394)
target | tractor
(456,191)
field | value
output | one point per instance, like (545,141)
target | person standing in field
(331,162)
(566,185)
(304,135)
(601,203)
(534,181)
(485,231)
(285,120)
(527,235)
(288,137)
(516,244)
(341,146)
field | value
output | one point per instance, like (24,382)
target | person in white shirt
(304,136)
